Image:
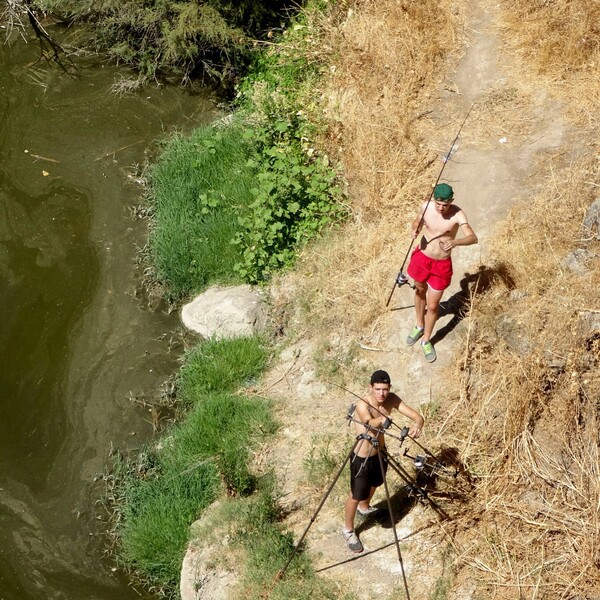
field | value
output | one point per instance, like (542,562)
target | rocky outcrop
(205,573)
(226,312)
(201,580)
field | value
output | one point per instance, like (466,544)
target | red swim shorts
(437,273)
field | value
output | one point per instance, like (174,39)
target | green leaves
(295,197)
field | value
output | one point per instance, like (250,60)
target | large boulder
(226,312)
(201,579)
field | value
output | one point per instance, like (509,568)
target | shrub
(213,39)
(293,200)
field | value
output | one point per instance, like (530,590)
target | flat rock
(225,312)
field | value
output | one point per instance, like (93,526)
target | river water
(75,342)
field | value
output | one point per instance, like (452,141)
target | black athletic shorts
(365,473)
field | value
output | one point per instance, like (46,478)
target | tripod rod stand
(358,440)
(392,520)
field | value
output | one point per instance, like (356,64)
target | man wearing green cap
(431,264)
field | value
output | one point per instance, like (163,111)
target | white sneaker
(352,541)
(370,511)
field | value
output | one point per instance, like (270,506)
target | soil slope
(512,126)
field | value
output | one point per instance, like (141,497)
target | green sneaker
(428,351)
(414,335)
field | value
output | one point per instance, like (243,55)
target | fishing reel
(420,463)
(401,279)
(350,413)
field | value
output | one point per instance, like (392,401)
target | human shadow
(441,477)
(471,284)
(401,503)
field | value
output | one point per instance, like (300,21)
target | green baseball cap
(443,192)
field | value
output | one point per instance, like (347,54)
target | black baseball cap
(381,377)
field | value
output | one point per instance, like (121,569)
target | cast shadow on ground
(446,481)
(471,285)
(402,504)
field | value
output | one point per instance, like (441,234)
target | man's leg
(350,513)
(431,315)
(352,540)
(420,302)
(433,298)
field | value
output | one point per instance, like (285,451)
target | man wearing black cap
(430,264)
(365,470)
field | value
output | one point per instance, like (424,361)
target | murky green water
(74,341)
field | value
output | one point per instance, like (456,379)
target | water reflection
(74,342)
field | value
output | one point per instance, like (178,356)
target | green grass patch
(157,517)
(223,426)
(221,366)
(205,456)
(198,188)
(254,525)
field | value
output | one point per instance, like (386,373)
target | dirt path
(510,128)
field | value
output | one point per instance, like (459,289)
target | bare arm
(411,413)
(417,224)
(469,238)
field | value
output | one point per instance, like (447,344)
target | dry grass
(524,411)
(384,68)
(525,415)
(559,41)
(386,57)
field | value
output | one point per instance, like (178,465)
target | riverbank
(233,201)
(390,122)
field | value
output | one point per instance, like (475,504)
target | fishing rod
(401,278)
(404,431)
(388,418)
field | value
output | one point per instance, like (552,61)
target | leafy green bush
(296,193)
(221,366)
(294,198)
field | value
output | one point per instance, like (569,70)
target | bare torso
(373,409)
(439,228)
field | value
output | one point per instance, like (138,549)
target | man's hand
(447,245)
(415,431)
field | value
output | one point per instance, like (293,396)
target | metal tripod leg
(393,522)
(313,518)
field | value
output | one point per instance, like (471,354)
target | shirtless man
(430,264)
(365,470)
